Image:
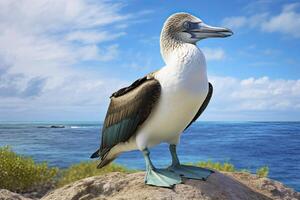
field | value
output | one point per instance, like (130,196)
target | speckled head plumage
(174,24)
(181,28)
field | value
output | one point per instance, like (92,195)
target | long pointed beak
(202,30)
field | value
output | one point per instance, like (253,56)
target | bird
(160,106)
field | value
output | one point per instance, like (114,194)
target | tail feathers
(105,157)
(102,153)
(105,162)
(96,154)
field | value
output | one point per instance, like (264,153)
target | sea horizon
(95,121)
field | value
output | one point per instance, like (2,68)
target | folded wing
(204,104)
(128,109)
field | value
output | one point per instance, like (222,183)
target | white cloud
(92,52)
(43,16)
(255,94)
(286,22)
(213,53)
(88,37)
(235,22)
(42,41)
(244,21)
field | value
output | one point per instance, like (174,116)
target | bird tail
(105,157)
(95,154)
(105,162)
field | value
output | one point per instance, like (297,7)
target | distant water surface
(248,145)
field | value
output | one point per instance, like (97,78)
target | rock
(57,126)
(52,126)
(39,191)
(219,186)
(8,195)
(271,188)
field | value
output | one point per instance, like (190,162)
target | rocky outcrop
(8,195)
(219,186)
(228,186)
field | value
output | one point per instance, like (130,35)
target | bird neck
(175,50)
(184,59)
(168,44)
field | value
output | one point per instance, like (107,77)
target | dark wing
(128,109)
(204,105)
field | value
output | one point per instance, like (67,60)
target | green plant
(262,172)
(226,167)
(20,173)
(87,169)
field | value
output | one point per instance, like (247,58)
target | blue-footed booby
(160,106)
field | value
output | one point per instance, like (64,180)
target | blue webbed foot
(159,177)
(191,172)
(187,171)
(162,178)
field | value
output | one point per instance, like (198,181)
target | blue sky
(60,60)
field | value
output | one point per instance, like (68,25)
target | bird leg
(186,171)
(159,177)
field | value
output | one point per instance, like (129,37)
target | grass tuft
(20,173)
(262,172)
(225,167)
(228,167)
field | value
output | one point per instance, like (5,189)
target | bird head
(187,28)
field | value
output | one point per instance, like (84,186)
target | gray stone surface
(8,195)
(219,186)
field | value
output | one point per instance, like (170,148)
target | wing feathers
(128,109)
(204,104)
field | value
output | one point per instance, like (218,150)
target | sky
(61,60)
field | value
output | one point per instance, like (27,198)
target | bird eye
(186,24)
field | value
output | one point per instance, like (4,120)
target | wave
(77,127)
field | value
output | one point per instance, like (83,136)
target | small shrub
(226,167)
(21,174)
(87,169)
(262,172)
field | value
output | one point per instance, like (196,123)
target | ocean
(248,145)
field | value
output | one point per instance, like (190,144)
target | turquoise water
(248,145)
